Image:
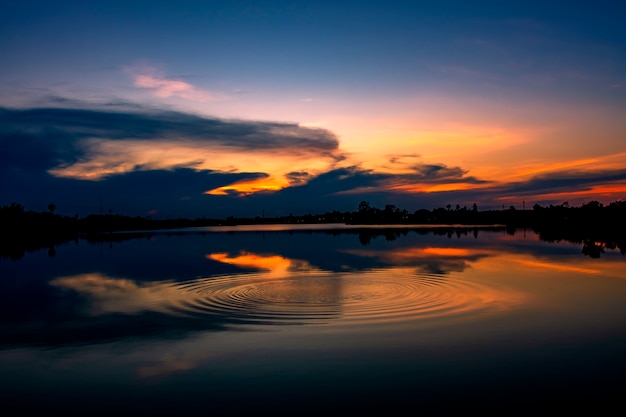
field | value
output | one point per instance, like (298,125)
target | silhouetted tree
(364,207)
(592,249)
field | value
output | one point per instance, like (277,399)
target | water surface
(266,319)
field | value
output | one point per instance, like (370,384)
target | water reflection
(291,291)
(179,318)
(266,279)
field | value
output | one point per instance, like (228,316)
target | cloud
(95,143)
(298,177)
(161,86)
(343,188)
(420,177)
(141,156)
(565,181)
(575,186)
(137,161)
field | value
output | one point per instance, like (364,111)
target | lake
(334,319)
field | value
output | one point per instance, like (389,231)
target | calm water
(246,321)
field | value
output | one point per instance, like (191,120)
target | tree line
(28,230)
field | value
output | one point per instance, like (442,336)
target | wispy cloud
(567,180)
(574,186)
(162,86)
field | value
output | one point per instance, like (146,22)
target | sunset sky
(266,108)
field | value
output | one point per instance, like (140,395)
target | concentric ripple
(323,297)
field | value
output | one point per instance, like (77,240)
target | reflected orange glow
(251,260)
(448,251)
(430,251)
(557,267)
(275,266)
(374,296)
(454,296)
(406,255)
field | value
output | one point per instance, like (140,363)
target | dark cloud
(432,172)
(440,174)
(58,129)
(164,193)
(298,177)
(319,194)
(34,141)
(343,188)
(563,181)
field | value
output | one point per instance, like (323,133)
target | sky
(268,108)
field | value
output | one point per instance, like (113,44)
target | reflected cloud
(456,252)
(436,260)
(271,281)
(383,294)
(275,265)
(117,295)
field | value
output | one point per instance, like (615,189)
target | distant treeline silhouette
(26,230)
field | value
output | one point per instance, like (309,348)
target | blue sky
(214,108)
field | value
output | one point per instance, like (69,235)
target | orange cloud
(251,186)
(106,157)
(557,166)
(433,188)
(115,143)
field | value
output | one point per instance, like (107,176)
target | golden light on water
(558,267)
(275,264)
(280,289)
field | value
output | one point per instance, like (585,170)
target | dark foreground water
(304,322)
